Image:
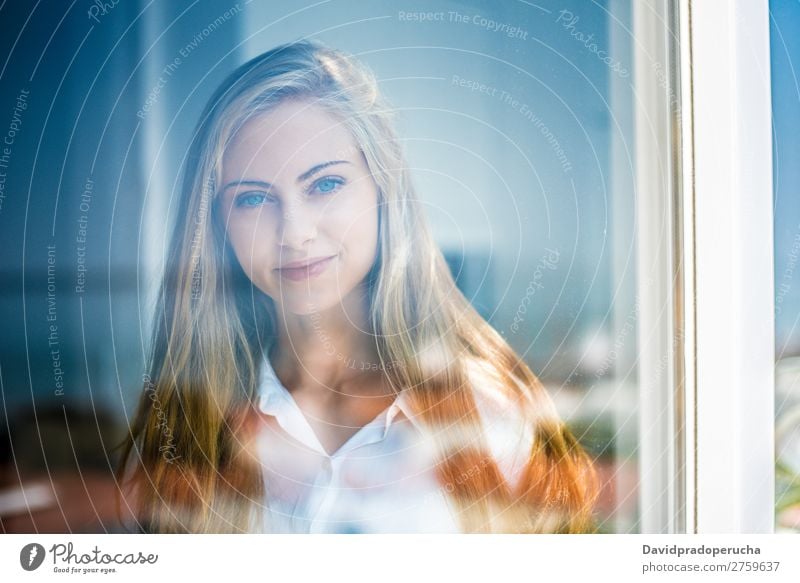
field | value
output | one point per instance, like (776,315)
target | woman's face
(300,207)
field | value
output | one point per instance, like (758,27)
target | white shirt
(382,480)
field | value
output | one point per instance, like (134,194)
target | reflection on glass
(785,55)
(515,125)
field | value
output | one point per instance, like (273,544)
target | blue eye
(328,184)
(252,199)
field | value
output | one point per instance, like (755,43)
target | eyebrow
(303,177)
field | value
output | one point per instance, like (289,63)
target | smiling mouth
(306,271)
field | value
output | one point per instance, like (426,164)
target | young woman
(314,367)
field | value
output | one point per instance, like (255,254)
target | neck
(326,349)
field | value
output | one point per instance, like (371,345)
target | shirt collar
(276,400)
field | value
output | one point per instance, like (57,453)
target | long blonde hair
(193,430)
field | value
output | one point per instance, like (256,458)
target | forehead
(286,141)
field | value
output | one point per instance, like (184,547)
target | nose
(298,226)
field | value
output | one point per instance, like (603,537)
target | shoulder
(508,430)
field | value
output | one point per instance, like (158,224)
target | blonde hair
(213,327)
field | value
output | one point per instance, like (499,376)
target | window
(597,174)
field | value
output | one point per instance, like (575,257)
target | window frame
(715,191)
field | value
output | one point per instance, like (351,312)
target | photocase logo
(31,556)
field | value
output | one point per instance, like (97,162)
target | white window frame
(733,322)
(707,466)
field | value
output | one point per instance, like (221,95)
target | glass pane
(518,123)
(785,54)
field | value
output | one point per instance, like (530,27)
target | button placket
(330,473)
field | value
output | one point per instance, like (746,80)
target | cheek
(357,230)
(252,244)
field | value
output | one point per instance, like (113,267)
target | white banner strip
(388,558)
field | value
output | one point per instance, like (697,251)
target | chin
(304,304)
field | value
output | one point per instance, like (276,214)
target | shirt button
(326,464)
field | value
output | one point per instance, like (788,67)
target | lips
(304,262)
(305,269)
